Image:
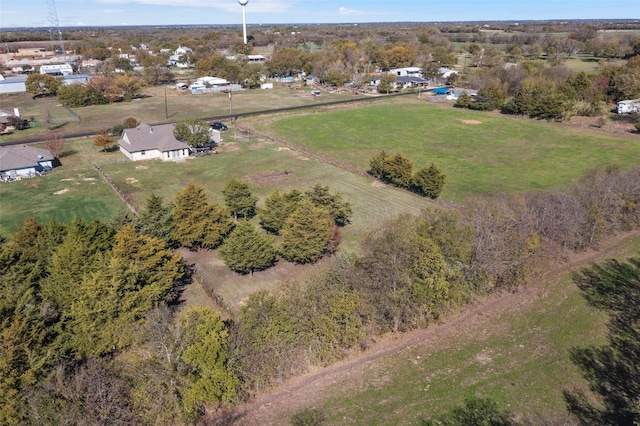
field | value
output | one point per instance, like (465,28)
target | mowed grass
(73,191)
(481,153)
(520,359)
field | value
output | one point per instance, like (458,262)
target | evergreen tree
(377,164)
(156,220)
(197,223)
(339,210)
(397,170)
(246,250)
(306,233)
(238,198)
(137,275)
(277,208)
(429,181)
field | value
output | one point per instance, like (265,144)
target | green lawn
(73,191)
(480,152)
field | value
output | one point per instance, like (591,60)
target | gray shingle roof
(22,157)
(145,137)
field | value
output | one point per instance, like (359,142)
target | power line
(52,17)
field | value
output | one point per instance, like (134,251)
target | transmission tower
(55,31)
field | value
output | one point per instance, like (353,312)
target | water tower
(243,3)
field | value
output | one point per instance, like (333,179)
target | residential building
(17,162)
(152,142)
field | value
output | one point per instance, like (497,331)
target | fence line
(344,165)
(117,190)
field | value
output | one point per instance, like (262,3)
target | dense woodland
(91,328)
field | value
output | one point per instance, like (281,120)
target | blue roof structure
(441,91)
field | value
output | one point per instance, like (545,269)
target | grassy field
(73,191)
(480,152)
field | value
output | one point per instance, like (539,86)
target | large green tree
(207,357)
(339,210)
(193,132)
(239,200)
(429,181)
(278,206)
(156,219)
(42,84)
(196,222)
(306,233)
(246,249)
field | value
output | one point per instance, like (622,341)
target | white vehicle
(629,106)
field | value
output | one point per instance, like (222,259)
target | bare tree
(55,144)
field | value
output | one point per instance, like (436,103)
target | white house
(446,72)
(212,81)
(17,162)
(181,50)
(152,142)
(256,58)
(57,69)
(406,72)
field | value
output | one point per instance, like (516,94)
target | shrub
(308,417)
(130,123)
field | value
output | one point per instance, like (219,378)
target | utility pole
(166,107)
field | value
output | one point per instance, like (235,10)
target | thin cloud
(345,11)
(353,12)
(226,5)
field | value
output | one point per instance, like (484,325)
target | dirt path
(275,406)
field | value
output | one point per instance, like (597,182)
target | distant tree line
(99,90)
(552,92)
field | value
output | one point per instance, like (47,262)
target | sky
(36,13)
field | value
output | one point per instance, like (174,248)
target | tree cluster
(306,224)
(413,270)
(398,170)
(72,299)
(100,90)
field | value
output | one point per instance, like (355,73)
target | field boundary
(344,165)
(117,190)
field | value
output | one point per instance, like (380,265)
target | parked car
(219,126)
